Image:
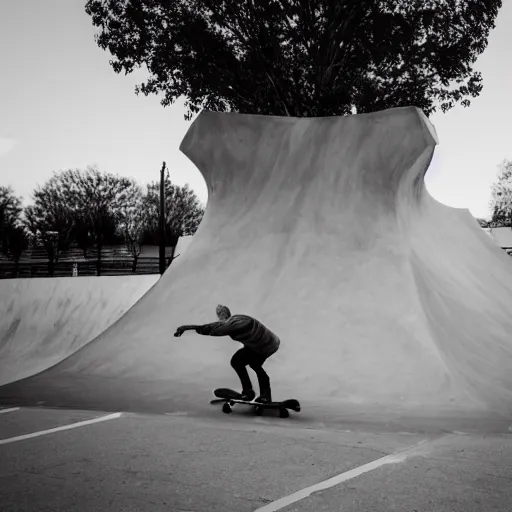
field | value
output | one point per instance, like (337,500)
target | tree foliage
(501,197)
(13,239)
(85,206)
(93,209)
(132,225)
(50,214)
(100,202)
(183,211)
(300,57)
(10,206)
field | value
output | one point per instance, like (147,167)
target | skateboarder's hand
(179,332)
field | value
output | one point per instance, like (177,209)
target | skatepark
(392,308)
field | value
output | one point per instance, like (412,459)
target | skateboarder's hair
(223,311)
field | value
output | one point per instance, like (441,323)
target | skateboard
(231,398)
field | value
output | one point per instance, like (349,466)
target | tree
(97,200)
(132,225)
(300,57)
(82,205)
(82,233)
(10,205)
(183,211)
(501,197)
(50,221)
(16,242)
(13,239)
(10,210)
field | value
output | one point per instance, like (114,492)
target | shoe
(264,398)
(248,395)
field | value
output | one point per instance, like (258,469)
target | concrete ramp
(43,321)
(182,245)
(323,229)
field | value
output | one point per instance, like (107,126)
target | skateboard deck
(231,398)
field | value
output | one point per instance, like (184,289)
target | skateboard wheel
(259,411)
(283,413)
(226,408)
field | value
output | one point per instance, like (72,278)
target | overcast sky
(62,106)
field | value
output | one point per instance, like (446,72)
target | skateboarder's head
(223,312)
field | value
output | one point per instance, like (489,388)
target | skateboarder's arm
(182,328)
(234,325)
(213,329)
(188,327)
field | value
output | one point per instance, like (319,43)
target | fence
(114,262)
(78,268)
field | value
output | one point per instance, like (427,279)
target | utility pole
(162,221)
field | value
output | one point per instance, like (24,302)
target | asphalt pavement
(63,460)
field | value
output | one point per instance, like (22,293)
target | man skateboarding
(259,344)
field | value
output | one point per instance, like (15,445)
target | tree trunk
(51,261)
(98,260)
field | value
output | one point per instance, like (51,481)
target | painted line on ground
(12,409)
(338,479)
(60,429)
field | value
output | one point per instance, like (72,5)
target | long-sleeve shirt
(245,329)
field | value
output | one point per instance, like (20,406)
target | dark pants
(247,357)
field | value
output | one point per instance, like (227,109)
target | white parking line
(12,409)
(338,479)
(58,429)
